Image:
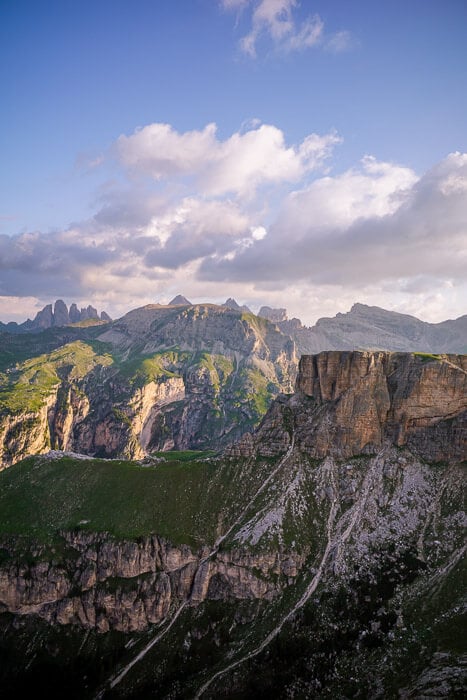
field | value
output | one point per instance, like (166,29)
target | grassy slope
(27,386)
(184,499)
(39,497)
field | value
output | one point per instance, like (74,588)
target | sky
(299,154)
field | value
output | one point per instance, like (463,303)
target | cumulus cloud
(255,218)
(196,229)
(276,20)
(379,222)
(239,164)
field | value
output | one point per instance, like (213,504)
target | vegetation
(39,497)
(427,356)
(27,387)
(184,455)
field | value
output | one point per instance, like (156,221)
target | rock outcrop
(56,316)
(349,403)
(104,584)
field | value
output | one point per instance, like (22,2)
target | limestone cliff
(103,584)
(349,403)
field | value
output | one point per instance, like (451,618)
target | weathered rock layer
(349,403)
(100,583)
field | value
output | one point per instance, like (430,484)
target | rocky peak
(60,315)
(273,315)
(74,314)
(232,304)
(44,318)
(179,300)
(56,315)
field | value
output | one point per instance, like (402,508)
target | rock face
(349,403)
(58,317)
(232,304)
(183,377)
(374,328)
(103,584)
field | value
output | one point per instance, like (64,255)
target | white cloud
(367,226)
(213,218)
(309,33)
(276,20)
(160,151)
(374,189)
(239,164)
(339,42)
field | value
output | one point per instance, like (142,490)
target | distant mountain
(372,328)
(274,315)
(232,304)
(57,316)
(179,300)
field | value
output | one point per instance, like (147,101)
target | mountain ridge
(56,315)
(363,327)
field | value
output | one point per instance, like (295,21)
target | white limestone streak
(332,544)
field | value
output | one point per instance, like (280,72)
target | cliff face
(349,403)
(103,584)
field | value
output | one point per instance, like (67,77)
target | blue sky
(93,210)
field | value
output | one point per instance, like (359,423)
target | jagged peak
(273,315)
(179,300)
(232,304)
(57,314)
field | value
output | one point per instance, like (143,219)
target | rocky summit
(322,555)
(57,315)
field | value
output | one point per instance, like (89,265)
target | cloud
(239,164)
(253,217)
(275,20)
(376,223)
(339,42)
(196,229)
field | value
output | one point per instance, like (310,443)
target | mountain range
(363,327)
(177,376)
(56,315)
